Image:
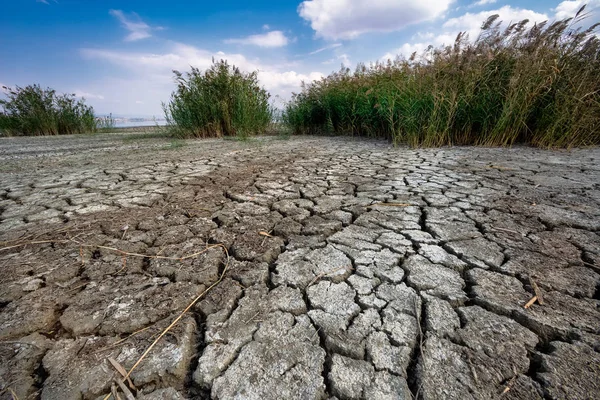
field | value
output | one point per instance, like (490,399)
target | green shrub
(35,111)
(222,101)
(537,85)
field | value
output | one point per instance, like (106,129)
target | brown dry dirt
(344,269)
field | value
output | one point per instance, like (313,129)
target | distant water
(130,124)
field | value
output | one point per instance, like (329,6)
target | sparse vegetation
(106,123)
(35,111)
(221,101)
(535,84)
(175,144)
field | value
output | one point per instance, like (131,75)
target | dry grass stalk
(118,342)
(22,244)
(509,385)
(122,371)
(390,205)
(537,291)
(13,394)
(126,253)
(530,302)
(126,391)
(180,316)
(324,274)
(266,235)
(114,392)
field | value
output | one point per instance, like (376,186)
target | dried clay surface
(346,269)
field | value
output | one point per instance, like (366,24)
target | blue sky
(119,54)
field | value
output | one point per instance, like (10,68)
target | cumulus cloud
(347,19)
(568,9)
(156,69)
(269,39)
(469,23)
(137,28)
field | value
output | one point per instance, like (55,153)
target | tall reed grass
(221,101)
(535,84)
(35,111)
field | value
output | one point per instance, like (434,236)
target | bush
(538,85)
(34,111)
(222,101)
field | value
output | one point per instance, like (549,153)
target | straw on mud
(33,236)
(126,253)
(13,394)
(32,242)
(113,391)
(126,391)
(254,316)
(537,291)
(530,302)
(122,371)
(168,328)
(266,235)
(324,274)
(390,205)
(118,342)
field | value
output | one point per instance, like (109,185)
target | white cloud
(347,19)
(269,39)
(154,78)
(88,96)
(469,23)
(138,29)
(407,49)
(568,9)
(342,59)
(345,60)
(482,3)
(333,46)
(266,27)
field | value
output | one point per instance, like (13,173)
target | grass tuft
(35,111)
(538,85)
(221,101)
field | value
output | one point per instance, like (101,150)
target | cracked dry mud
(387,273)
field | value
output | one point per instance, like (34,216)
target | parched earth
(327,268)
